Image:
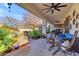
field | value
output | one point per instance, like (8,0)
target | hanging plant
(74,12)
(77,15)
(76,25)
(70,26)
(68,18)
(74,21)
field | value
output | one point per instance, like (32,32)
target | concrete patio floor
(36,48)
(40,48)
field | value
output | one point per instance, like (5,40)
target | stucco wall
(76,8)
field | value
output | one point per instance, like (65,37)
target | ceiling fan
(54,6)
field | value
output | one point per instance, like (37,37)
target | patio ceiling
(56,17)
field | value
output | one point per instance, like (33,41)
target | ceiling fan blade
(48,10)
(52,11)
(45,9)
(62,6)
(52,4)
(57,9)
(46,5)
(57,4)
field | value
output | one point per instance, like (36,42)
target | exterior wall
(74,28)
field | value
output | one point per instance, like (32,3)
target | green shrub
(35,34)
(5,40)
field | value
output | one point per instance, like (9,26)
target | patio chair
(55,42)
(66,46)
(52,41)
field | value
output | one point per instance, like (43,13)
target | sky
(16,11)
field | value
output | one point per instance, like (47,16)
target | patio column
(44,27)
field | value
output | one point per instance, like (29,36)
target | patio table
(62,37)
(65,36)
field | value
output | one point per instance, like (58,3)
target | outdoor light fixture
(9,6)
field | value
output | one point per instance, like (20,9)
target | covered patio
(40,29)
(65,18)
